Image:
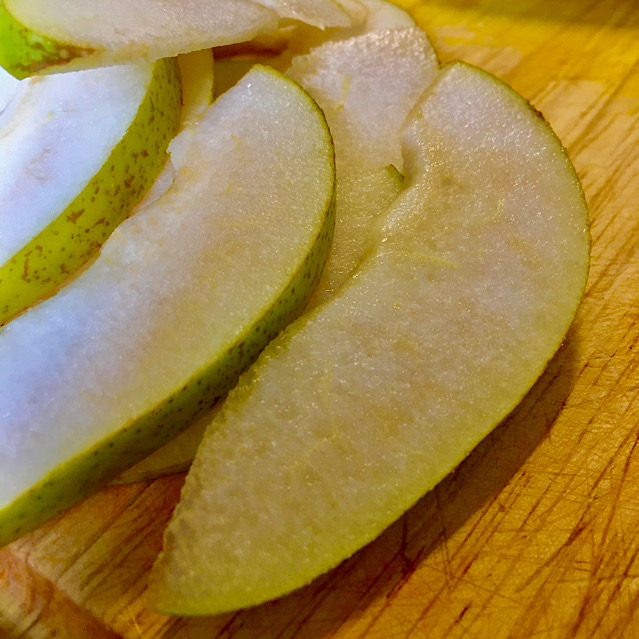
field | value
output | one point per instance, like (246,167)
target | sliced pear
(322,14)
(174,457)
(181,299)
(362,406)
(347,79)
(40,36)
(367,85)
(383,14)
(77,152)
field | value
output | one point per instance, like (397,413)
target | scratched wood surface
(534,535)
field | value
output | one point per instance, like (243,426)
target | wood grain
(534,534)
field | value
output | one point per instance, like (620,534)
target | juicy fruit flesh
(360,200)
(322,14)
(476,276)
(114,24)
(79,150)
(197,280)
(366,85)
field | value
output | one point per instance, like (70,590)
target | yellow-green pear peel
(363,405)
(77,231)
(25,53)
(180,301)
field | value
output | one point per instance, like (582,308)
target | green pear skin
(24,53)
(78,232)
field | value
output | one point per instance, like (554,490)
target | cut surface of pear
(40,36)
(347,78)
(366,85)
(8,88)
(180,300)
(77,152)
(363,405)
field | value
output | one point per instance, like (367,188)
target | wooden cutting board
(534,535)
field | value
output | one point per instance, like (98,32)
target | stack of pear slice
(472,279)
(346,76)
(181,299)
(460,257)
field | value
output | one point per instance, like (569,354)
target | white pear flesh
(181,299)
(366,403)
(320,14)
(278,49)
(383,14)
(367,85)
(8,88)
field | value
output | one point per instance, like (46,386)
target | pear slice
(347,79)
(39,36)
(77,152)
(362,406)
(181,299)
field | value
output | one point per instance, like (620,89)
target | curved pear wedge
(181,299)
(77,152)
(43,37)
(359,408)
